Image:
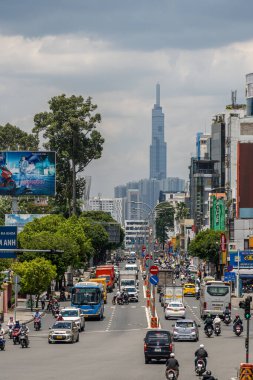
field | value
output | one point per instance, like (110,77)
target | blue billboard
(27,173)
(8,240)
(245,257)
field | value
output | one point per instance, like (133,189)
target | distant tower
(158,148)
(249,94)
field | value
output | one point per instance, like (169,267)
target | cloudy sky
(116,51)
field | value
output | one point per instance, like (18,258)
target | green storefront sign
(217,214)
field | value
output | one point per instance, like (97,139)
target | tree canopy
(70,129)
(13,138)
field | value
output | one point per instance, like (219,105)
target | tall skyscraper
(158,148)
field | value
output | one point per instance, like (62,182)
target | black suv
(157,345)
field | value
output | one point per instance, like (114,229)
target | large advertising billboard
(20,220)
(244,181)
(27,173)
(8,240)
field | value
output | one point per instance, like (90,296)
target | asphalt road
(112,349)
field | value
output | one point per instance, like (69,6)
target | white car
(74,314)
(175,309)
(132,293)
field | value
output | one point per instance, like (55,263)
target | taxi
(189,289)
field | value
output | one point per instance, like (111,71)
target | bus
(215,296)
(89,297)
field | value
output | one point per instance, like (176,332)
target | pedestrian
(43,301)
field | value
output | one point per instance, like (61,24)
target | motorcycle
(238,329)
(209,331)
(197,295)
(6,179)
(227,319)
(122,301)
(217,329)
(2,343)
(15,336)
(10,329)
(37,324)
(55,311)
(171,374)
(24,339)
(200,367)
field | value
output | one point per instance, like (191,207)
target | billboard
(244,180)
(8,240)
(20,220)
(217,213)
(27,173)
(245,257)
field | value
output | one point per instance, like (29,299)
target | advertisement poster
(20,220)
(27,173)
(245,257)
(8,240)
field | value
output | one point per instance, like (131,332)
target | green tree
(181,212)
(70,129)
(13,138)
(36,276)
(164,220)
(206,246)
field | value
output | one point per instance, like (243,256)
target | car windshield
(85,296)
(184,324)
(158,336)
(69,313)
(62,325)
(189,286)
(175,305)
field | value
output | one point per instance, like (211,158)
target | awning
(244,273)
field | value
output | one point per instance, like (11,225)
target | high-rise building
(158,148)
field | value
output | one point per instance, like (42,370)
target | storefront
(245,259)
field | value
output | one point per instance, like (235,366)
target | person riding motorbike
(60,317)
(202,354)
(125,295)
(24,329)
(208,322)
(10,325)
(226,311)
(1,331)
(217,320)
(208,376)
(172,363)
(37,316)
(237,321)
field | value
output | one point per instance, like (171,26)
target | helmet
(237,316)
(11,318)
(172,355)
(23,325)
(209,315)
(217,316)
(201,346)
(208,373)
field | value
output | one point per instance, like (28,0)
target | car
(175,309)
(64,331)
(157,345)
(132,293)
(186,330)
(74,314)
(189,289)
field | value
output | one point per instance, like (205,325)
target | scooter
(24,341)
(10,329)
(200,367)
(2,343)
(217,329)
(171,374)
(238,329)
(37,324)
(15,336)
(209,331)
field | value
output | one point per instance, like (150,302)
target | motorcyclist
(60,317)
(202,354)
(237,321)
(24,329)
(208,376)
(37,315)
(125,295)
(172,363)
(10,323)
(217,320)
(1,331)
(226,312)
(208,322)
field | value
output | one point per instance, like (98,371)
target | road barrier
(246,371)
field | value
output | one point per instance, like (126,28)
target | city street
(113,349)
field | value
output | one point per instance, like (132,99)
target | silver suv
(186,330)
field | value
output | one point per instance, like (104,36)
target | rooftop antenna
(233,97)
(158,94)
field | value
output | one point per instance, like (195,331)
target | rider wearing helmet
(208,322)
(208,376)
(202,354)
(237,321)
(172,363)
(60,317)
(217,320)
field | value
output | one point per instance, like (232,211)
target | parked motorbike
(171,374)
(238,329)
(227,319)
(217,329)
(15,336)
(2,343)
(200,367)
(24,341)
(37,324)
(209,331)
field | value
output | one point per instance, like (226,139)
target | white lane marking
(191,309)
(106,331)
(110,320)
(194,307)
(147,316)
(133,307)
(144,292)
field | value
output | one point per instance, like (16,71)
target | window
(154,337)
(217,290)
(185,324)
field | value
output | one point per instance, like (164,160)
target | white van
(132,267)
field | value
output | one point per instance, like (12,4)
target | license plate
(58,337)
(158,350)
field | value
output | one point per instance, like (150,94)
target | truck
(172,293)
(106,271)
(101,280)
(127,278)
(166,277)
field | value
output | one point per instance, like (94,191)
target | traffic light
(247,302)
